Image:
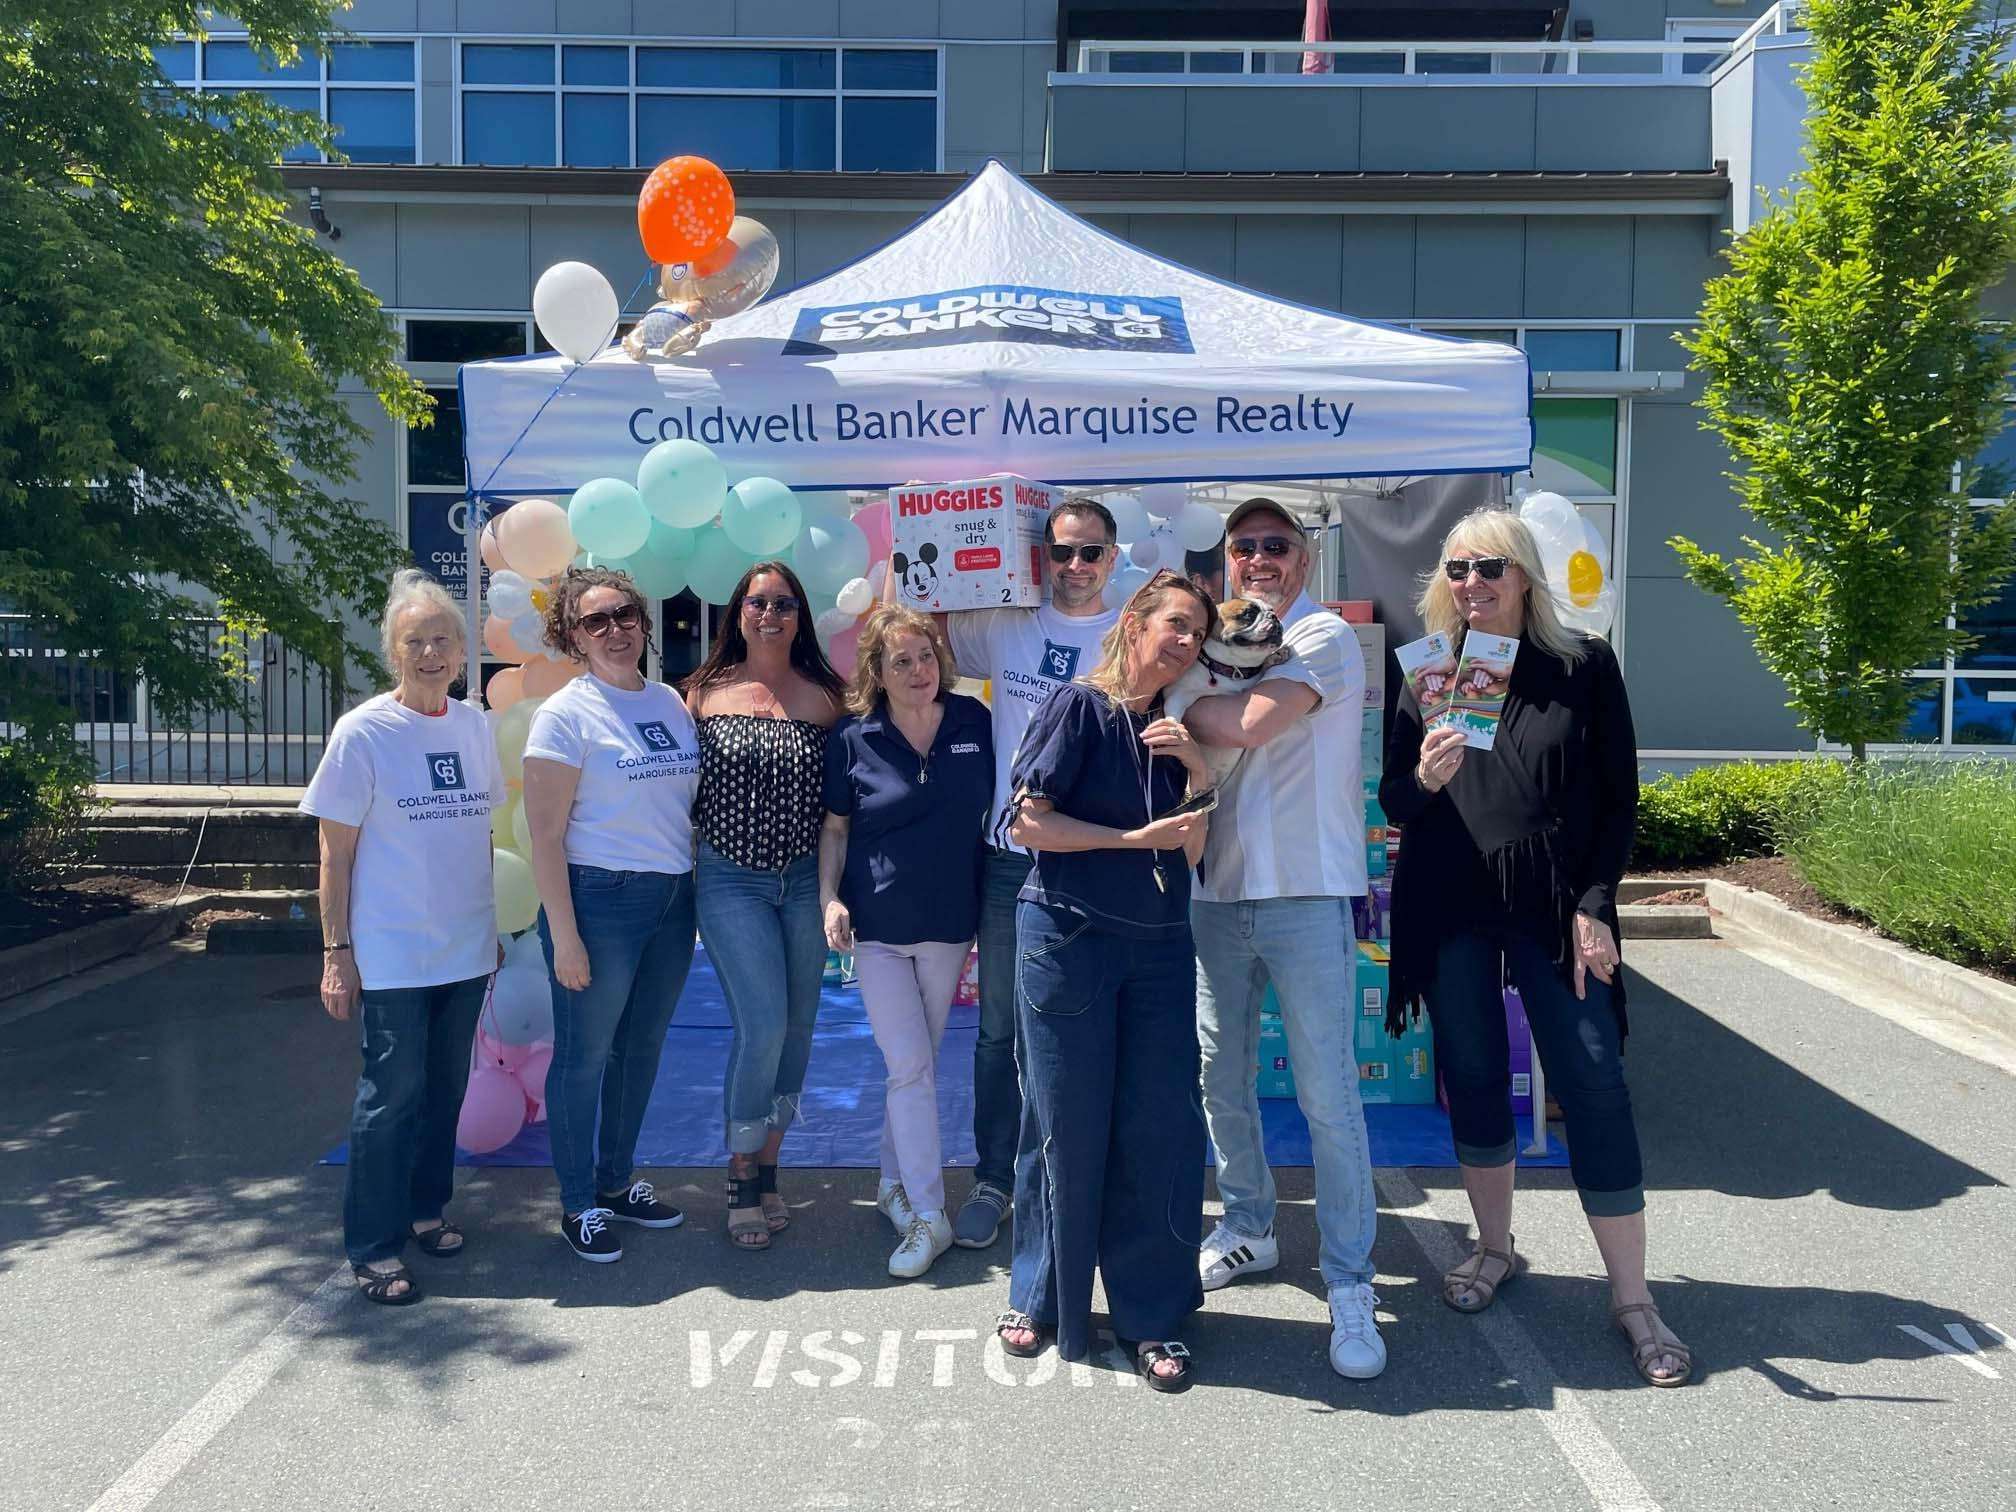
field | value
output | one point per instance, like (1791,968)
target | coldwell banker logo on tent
(994,312)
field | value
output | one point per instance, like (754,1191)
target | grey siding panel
(983,102)
(1294,257)
(506,15)
(436,15)
(1139,130)
(1657,351)
(1695,680)
(830,239)
(889,18)
(1036,64)
(683,18)
(1440,129)
(1674,257)
(1203,242)
(1299,130)
(1679,487)
(1039,18)
(382,15)
(437,60)
(603,236)
(978,18)
(370,244)
(1999,301)
(376,484)
(1378,266)
(783,225)
(1469,267)
(598,18)
(968,163)
(787,18)
(1112,225)
(437,123)
(1580,129)
(472,257)
(1578,267)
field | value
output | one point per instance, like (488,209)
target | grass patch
(1924,851)
(1725,813)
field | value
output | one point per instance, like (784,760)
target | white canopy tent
(1002,333)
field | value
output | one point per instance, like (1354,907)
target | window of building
(366,90)
(1722,29)
(803,109)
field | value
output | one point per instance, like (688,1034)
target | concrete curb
(1897,967)
(26,967)
(1663,921)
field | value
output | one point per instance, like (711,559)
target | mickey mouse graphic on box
(976,544)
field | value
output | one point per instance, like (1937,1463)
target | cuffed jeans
(907,990)
(997,1091)
(1579,1049)
(765,937)
(401,1165)
(1304,946)
(1112,1136)
(638,930)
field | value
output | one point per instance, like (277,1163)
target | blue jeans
(1579,1049)
(638,931)
(997,1090)
(1304,946)
(401,1168)
(765,937)
(1112,1137)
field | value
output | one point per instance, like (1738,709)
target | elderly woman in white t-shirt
(611,765)
(409,929)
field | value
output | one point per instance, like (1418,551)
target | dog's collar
(1237,674)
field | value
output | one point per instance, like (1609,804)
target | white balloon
(1164,500)
(1123,585)
(1130,519)
(1199,527)
(1146,553)
(521,1004)
(832,622)
(510,594)
(878,578)
(1576,561)
(529,631)
(576,309)
(855,596)
(525,952)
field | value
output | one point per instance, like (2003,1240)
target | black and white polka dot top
(759,801)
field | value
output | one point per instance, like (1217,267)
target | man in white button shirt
(1273,903)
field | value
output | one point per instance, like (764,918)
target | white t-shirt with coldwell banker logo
(639,759)
(419,789)
(1027,654)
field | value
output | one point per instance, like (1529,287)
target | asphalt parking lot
(1830,1210)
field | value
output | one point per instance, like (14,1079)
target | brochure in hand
(1483,678)
(1430,669)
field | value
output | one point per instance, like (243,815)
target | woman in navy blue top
(908,780)
(1110,1172)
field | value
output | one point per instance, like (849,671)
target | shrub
(45,803)
(1927,853)
(1724,813)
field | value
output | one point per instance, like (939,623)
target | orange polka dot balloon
(686,207)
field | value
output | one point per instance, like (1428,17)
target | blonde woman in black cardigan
(1510,871)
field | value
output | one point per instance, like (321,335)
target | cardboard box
(1520,1043)
(1275,1076)
(1352,611)
(1412,1059)
(975,544)
(1370,914)
(1372,646)
(1375,979)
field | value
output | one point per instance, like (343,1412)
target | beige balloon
(744,278)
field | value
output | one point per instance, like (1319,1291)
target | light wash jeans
(1305,947)
(907,990)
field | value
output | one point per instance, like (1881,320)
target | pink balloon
(532,1071)
(842,650)
(493,1111)
(874,523)
(492,1051)
(535,539)
(487,543)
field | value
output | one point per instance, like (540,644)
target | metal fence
(277,740)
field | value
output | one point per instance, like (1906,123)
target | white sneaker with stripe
(1229,1254)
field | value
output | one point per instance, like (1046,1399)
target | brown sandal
(1470,1277)
(746,1233)
(1657,1340)
(775,1213)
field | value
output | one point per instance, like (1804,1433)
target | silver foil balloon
(745,277)
(667,330)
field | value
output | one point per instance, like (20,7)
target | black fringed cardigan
(1525,834)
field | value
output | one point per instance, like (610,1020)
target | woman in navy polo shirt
(908,779)
(1106,998)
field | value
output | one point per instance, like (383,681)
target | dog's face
(1248,633)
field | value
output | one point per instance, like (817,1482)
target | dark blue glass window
(238,60)
(434,453)
(1218,63)
(737,131)
(373,125)
(177,60)
(890,135)
(372,62)
(463,341)
(1994,474)
(890,68)
(513,63)
(735,68)
(1921,724)
(1452,63)
(307,101)
(595,131)
(595,65)
(514,129)
(1572,351)
(1144,62)
(1984,711)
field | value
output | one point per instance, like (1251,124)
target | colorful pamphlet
(1430,669)
(1483,678)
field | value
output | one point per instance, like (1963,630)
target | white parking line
(1594,1459)
(150,1475)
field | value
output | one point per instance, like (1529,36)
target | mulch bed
(72,905)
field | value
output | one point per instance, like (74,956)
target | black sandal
(1020,1323)
(775,1213)
(435,1241)
(1148,1356)
(377,1285)
(745,1192)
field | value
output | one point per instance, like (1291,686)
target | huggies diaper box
(976,544)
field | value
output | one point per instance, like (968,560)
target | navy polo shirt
(1083,752)
(913,847)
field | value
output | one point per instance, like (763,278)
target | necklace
(1144,763)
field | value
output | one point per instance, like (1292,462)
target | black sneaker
(588,1232)
(640,1205)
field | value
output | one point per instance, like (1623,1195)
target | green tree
(1848,368)
(170,347)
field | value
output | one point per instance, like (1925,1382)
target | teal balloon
(761,516)
(715,567)
(658,568)
(829,553)
(682,483)
(607,517)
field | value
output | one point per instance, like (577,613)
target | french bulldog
(1247,643)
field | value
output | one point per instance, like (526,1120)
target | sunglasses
(602,621)
(1488,568)
(1091,556)
(1247,546)
(784,605)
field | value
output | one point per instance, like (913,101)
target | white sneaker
(894,1204)
(928,1237)
(1228,1254)
(1356,1350)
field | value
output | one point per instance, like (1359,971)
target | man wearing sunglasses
(1027,654)
(1272,903)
